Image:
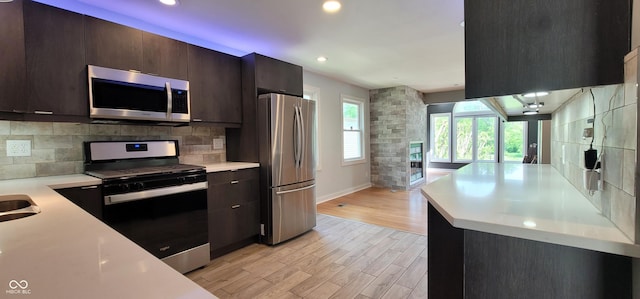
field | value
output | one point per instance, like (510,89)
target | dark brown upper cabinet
(164,56)
(12,58)
(215,87)
(112,45)
(514,47)
(56,70)
(260,75)
(277,76)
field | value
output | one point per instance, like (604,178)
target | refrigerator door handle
(302,137)
(295,190)
(298,136)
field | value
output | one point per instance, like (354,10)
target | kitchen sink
(16,206)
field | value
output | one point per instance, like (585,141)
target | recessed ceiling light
(331,6)
(535,105)
(536,94)
(529,223)
(169,2)
(322,59)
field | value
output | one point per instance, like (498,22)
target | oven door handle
(131,196)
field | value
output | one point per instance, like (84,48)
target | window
(514,141)
(352,130)
(475,133)
(312,93)
(440,137)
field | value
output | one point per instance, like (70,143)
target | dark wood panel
(225,195)
(230,175)
(215,86)
(274,75)
(56,68)
(242,143)
(228,226)
(164,56)
(445,257)
(112,45)
(505,267)
(12,58)
(472,264)
(513,47)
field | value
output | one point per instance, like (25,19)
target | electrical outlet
(18,148)
(218,143)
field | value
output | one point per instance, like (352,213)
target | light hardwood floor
(399,209)
(339,258)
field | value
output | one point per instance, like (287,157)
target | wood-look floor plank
(420,291)
(383,282)
(398,292)
(324,291)
(309,285)
(416,271)
(253,290)
(360,281)
(406,258)
(278,290)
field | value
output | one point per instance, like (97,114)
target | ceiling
(417,43)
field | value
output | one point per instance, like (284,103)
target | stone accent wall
(398,116)
(617,199)
(56,148)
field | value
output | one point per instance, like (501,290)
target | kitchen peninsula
(521,231)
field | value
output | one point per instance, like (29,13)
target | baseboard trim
(335,195)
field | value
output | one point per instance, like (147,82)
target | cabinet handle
(196,120)
(89,187)
(234,182)
(18,111)
(235,206)
(43,112)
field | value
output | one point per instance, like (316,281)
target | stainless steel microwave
(130,95)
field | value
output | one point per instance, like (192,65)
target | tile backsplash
(615,113)
(56,148)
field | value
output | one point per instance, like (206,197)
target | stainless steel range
(152,199)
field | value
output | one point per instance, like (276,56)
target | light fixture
(536,94)
(530,112)
(322,59)
(529,223)
(331,6)
(535,105)
(6,1)
(169,2)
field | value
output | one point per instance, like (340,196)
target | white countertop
(526,201)
(225,166)
(64,252)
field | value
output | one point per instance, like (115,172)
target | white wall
(333,179)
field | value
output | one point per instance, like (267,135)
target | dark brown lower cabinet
(234,206)
(89,198)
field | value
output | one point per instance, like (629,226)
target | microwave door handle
(167,86)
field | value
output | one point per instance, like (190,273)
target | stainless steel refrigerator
(285,134)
